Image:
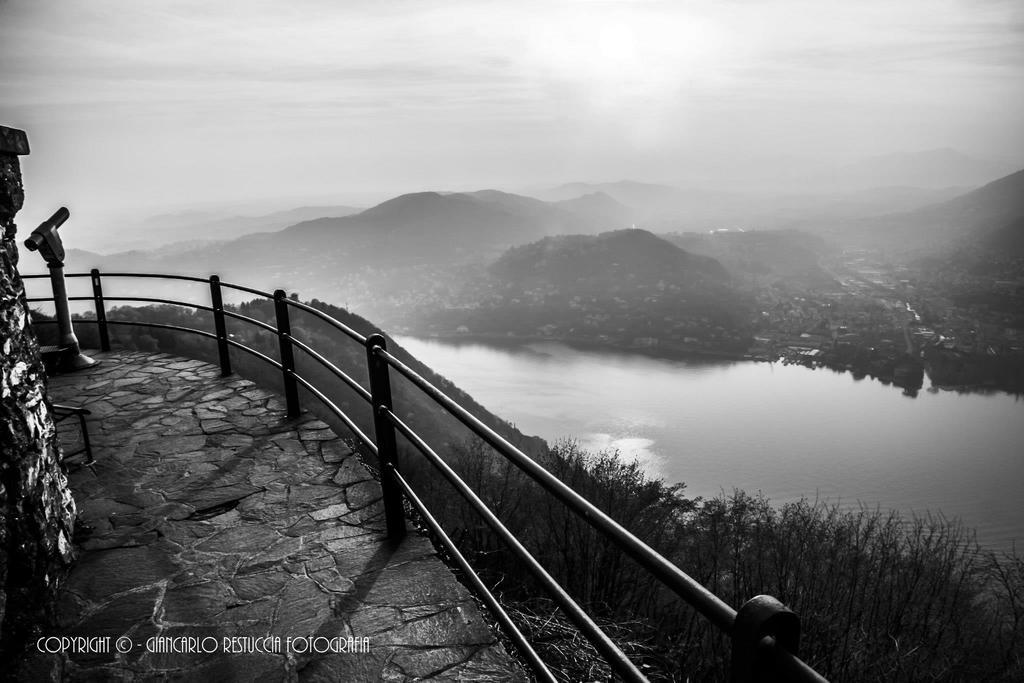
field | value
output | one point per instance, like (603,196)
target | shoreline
(691,355)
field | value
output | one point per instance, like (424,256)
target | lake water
(787,431)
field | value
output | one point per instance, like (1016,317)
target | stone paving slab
(214,517)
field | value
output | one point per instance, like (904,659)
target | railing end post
(376,339)
(761,616)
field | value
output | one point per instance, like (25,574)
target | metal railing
(764,633)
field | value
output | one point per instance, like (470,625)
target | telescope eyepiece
(34,241)
(46,240)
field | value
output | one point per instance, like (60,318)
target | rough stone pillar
(37,512)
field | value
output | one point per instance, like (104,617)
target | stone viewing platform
(211,516)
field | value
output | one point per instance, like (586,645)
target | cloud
(510,89)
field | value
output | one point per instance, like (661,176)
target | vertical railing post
(387,447)
(101,309)
(761,616)
(284,338)
(220,326)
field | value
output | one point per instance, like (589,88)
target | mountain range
(426,227)
(206,226)
(663,208)
(977,216)
(411,229)
(344,258)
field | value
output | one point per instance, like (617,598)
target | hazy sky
(130,103)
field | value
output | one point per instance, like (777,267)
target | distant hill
(971,216)
(629,192)
(187,226)
(605,262)
(786,257)
(517,203)
(419,228)
(600,209)
(987,208)
(663,208)
(934,168)
(1008,240)
(624,288)
(374,258)
(653,205)
(813,212)
(890,198)
(431,226)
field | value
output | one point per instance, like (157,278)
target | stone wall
(36,509)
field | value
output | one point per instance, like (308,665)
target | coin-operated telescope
(46,240)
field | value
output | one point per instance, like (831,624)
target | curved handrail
(379,360)
(615,657)
(709,604)
(247,290)
(163,326)
(251,351)
(334,369)
(146,299)
(338,325)
(252,321)
(155,276)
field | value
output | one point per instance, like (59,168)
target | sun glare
(612,55)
